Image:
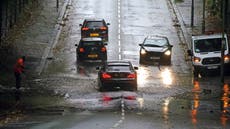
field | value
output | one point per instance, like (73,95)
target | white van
(206,52)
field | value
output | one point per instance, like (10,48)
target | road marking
(119,27)
(122,115)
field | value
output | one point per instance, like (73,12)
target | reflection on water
(142,76)
(196,103)
(225,103)
(165,110)
(141,102)
(166,76)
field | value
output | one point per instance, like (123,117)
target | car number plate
(155,58)
(212,67)
(93,56)
(94,34)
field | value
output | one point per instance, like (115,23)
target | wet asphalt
(59,76)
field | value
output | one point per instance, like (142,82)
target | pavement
(36,37)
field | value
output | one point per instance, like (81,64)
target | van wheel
(195,73)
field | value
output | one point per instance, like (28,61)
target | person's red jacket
(19,66)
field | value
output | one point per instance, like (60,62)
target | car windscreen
(92,24)
(208,45)
(155,42)
(92,43)
(118,68)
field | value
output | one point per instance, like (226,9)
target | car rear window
(92,43)
(122,68)
(92,24)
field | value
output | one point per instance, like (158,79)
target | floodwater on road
(66,94)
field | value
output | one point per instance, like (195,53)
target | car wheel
(104,59)
(101,87)
(78,59)
(134,87)
(168,62)
(141,61)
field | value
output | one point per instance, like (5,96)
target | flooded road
(168,97)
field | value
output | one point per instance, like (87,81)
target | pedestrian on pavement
(18,70)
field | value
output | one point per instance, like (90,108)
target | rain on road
(167,98)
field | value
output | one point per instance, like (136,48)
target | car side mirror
(171,45)
(189,52)
(80,24)
(98,68)
(105,43)
(107,23)
(76,45)
(135,67)
(141,45)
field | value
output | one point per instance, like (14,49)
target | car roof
(118,62)
(91,39)
(94,19)
(210,36)
(156,37)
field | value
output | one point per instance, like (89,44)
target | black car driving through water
(95,28)
(155,49)
(117,74)
(91,49)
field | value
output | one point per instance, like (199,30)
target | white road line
(119,49)
(119,26)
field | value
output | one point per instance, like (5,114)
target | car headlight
(143,52)
(168,52)
(196,59)
(226,59)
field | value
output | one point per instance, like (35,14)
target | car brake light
(133,75)
(103,28)
(81,50)
(103,49)
(106,76)
(85,28)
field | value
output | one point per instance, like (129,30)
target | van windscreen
(208,45)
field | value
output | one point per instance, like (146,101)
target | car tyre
(141,61)
(101,87)
(134,87)
(195,73)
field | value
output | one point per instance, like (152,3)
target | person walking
(18,70)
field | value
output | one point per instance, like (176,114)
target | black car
(155,49)
(117,75)
(91,49)
(95,28)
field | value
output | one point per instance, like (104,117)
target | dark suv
(91,49)
(95,28)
